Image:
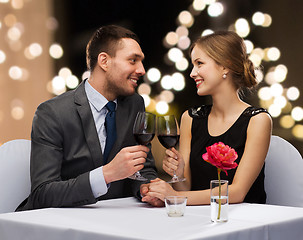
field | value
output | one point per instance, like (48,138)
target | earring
(224,75)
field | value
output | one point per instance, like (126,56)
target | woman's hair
(106,39)
(228,49)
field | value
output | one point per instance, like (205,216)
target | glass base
(137,176)
(175,179)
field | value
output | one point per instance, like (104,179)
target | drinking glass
(144,131)
(175,205)
(168,135)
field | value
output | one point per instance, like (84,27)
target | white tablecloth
(127,218)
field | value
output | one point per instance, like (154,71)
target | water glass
(219,200)
(175,206)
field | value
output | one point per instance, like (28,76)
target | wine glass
(144,131)
(168,135)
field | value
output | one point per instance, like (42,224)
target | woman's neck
(226,104)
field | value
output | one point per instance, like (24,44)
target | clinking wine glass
(168,135)
(144,131)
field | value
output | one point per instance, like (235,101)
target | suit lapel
(88,125)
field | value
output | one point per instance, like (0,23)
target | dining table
(128,218)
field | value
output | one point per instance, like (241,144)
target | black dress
(201,171)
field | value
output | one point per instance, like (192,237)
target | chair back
(14,174)
(283,174)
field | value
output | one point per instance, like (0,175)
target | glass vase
(219,200)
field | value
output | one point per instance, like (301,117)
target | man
(69,135)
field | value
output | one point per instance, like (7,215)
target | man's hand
(159,189)
(128,161)
(144,189)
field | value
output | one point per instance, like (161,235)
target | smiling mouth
(134,80)
(199,82)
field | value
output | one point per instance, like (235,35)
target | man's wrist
(108,174)
(97,182)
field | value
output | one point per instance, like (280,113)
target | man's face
(125,68)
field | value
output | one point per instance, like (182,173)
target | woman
(221,69)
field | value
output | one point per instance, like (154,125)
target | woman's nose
(193,73)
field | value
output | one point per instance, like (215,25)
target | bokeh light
(242,27)
(215,9)
(153,74)
(175,54)
(287,121)
(273,54)
(56,51)
(293,93)
(144,89)
(15,73)
(162,107)
(199,5)
(297,131)
(2,56)
(186,18)
(167,82)
(178,81)
(297,113)
(146,99)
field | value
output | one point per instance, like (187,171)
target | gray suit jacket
(65,147)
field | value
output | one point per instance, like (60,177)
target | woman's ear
(225,70)
(103,60)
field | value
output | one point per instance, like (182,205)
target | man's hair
(106,39)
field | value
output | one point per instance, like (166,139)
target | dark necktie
(110,126)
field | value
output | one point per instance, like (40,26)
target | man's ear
(103,60)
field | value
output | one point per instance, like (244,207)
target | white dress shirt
(97,104)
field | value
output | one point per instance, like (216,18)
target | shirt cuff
(97,182)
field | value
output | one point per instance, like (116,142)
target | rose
(223,158)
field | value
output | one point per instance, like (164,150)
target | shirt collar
(95,98)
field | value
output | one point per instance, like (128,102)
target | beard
(119,87)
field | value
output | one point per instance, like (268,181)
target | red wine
(144,138)
(169,141)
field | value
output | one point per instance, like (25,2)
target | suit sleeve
(48,188)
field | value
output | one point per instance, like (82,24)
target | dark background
(152,20)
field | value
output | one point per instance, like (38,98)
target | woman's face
(206,72)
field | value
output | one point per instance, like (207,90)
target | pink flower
(221,156)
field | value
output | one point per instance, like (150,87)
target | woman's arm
(256,147)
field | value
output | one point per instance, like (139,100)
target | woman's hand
(160,189)
(156,202)
(173,162)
